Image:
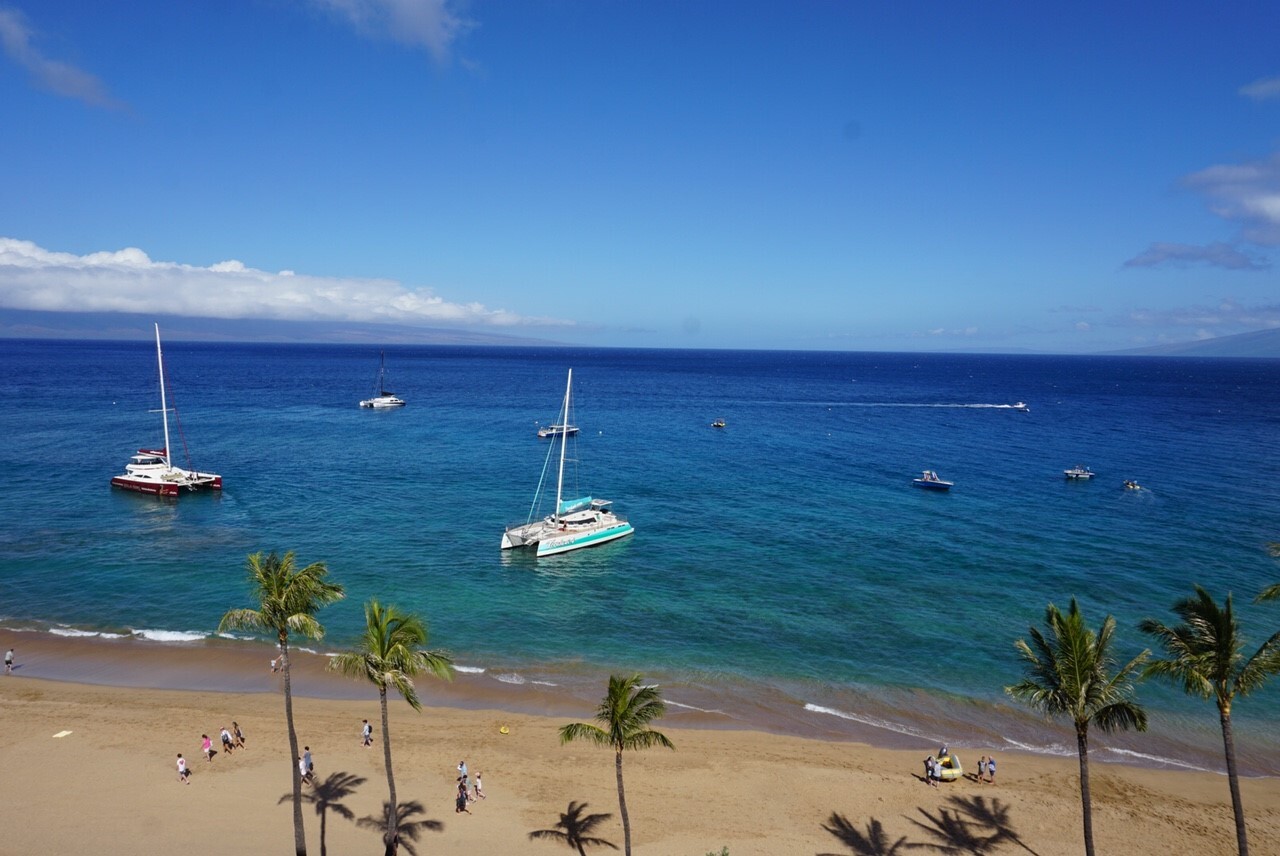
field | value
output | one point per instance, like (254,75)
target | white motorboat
(929,481)
(556,430)
(383,399)
(151,470)
(583,521)
(1078,473)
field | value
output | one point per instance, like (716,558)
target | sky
(903,176)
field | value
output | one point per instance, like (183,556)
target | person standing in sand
(184,775)
(239,735)
(479,789)
(929,774)
(460,803)
(303,772)
(8,662)
(991,769)
(982,769)
(227,747)
(306,760)
(366,734)
(206,746)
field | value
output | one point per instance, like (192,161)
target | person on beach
(226,741)
(477,789)
(275,664)
(8,662)
(991,769)
(206,746)
(462,771)
(239,735)
(460,804)
(184,775)
(930,775)
(303,772)
(306,760)
(982,769)
(366,734)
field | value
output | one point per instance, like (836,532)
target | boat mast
(164,406)
(564,439)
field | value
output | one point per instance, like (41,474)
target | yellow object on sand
(504,730)
(62,734)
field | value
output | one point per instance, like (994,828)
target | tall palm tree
(1204,653)
(575,828)
(389,655)
(1070,671)
(625,712)
(288,599)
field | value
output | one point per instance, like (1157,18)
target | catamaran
(150,470)
(574,523)
(383,398)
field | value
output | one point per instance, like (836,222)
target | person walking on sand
(184,775)
(366,734)
(306,760)
(8,662)
(460,804)
(930,775)
(303,772)
(478,793)
(462,771)
(991,769)
(239,735)
(206,746)
(227,746)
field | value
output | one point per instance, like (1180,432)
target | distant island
(1260,344)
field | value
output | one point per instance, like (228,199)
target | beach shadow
(873,843)
(574,829)
(408,831)
(972,825)
(327,796)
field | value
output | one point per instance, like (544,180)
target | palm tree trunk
(393,814)
(1229,746)
(299,834)
(622,808)
(1082,743)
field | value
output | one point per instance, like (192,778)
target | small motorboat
(1021,406)
(719,423)
(929,481)
(1130,484)
(1078,472)
(557,431)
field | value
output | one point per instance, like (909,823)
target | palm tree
(327,796)
(407,831)
(388,655)
(1204,655)
(625,711)
(874,843)
(575,829)
(1071,672)
(288,599)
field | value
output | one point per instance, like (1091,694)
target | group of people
(933,767)
(987,769)
(232,738)
(469,789)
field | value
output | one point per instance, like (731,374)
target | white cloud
(1227,314)
(1262,89)
(58,77)
(1248,193)
(1217,254)
(128,280)
(430,24)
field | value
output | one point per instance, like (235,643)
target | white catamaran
(150,470)
(382,398)
(574,523)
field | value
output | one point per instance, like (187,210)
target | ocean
(784,573)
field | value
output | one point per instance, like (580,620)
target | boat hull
(931,485)
(168,486)
(578,540)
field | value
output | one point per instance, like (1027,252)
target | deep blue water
(784,560)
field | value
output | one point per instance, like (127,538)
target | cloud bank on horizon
(128,280)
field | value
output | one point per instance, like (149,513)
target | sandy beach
(91,768)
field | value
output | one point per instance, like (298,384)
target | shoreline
(94,762)
(220,664)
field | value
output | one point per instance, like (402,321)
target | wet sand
(109,785)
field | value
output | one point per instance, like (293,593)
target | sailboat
(150,470)
(383,398)
(574,523)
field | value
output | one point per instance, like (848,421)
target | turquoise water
(783,573)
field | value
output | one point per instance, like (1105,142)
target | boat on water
(719,423)
(929,481)
(557,431)
(1021,406)
(573,523)
(383,399)
(150,471)
(1078,473)
(1130,484)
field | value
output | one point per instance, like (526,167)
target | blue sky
(815,175)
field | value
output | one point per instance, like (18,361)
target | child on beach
(478,792)
(982,769)
(206,746)
(184,775)
(8,662)
(930,774)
